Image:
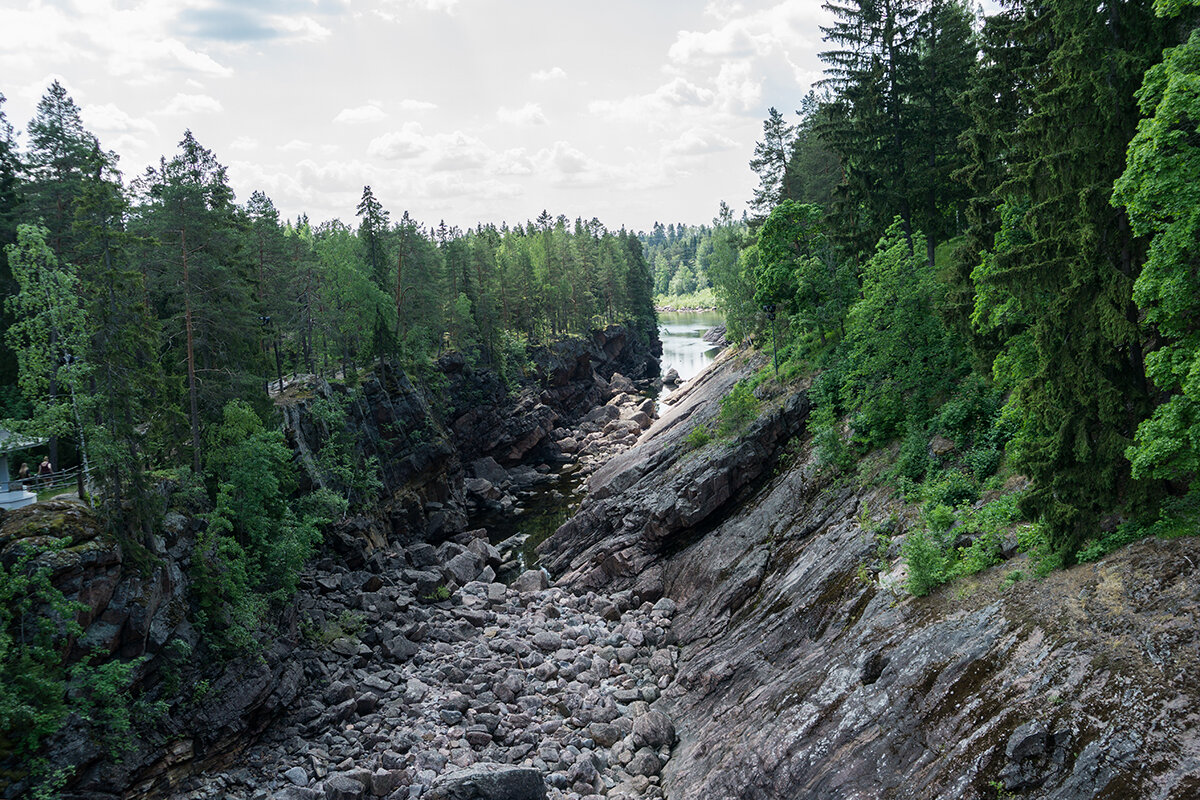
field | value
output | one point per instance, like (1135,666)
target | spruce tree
(770,162)
(1078,376)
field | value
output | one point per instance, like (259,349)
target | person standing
(45,471)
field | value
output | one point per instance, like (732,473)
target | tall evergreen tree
(201,279)
(61,155)
(372,228)
(10,203)
(1077,374)
(770,162)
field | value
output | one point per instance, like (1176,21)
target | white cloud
(244,143)
(657,105)
(360,114)
(782,27)
(446,6)
(417,105)
(699,142)
(192,104)
(552,74)
(301,29)
(109,118)
(440,152)
(738,88)
(528,114)
(566,166)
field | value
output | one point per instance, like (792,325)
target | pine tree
(1078,375)
(200,278)
(770,162)
(61,155)
(10,204)
(372,228)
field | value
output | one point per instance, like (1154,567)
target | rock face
(427,446)
(649,501)
(803,675)
(140,611)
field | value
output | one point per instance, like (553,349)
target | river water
(684,348)
(546,507)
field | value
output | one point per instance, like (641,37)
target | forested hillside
(136,310)
(981,235)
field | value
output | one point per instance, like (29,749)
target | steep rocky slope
(802,675)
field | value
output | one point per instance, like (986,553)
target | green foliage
(924,553)
(697,437)
(898,356)
(35,617)
(354,478)
(37,688)
(738,409)
(1160,190)
(256,542)
(1177,516)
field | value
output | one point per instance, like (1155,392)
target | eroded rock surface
(805,673)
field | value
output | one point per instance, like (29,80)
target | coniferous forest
(137,309)
(975,245)
(984,229)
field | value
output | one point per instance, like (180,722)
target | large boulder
(489,781)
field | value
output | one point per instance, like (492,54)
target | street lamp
(265,320)
(769,308)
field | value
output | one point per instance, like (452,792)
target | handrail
(41,483)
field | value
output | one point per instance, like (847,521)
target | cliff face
(802,676)
(426,442)
(137,607)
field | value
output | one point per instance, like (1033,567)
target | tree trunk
(193,403)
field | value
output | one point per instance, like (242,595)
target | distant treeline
(134,312)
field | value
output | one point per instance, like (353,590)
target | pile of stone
(608,429)
(427,679)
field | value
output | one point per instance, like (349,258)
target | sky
(467,111)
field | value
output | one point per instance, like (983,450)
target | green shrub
(924,553)
(738,409)
(952,488)
(914,462)
(697,437)
(983,461)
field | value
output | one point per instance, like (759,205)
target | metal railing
(54,482)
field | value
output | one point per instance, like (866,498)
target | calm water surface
(683,347)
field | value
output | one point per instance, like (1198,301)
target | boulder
(489,781)
(653,729)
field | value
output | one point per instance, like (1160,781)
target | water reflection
(684,348)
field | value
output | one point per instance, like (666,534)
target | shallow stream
(548,506)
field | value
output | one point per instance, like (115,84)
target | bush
(925,555)
(738,409)
(697,437)
(914,460)
(952,488)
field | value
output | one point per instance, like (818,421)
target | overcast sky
(463,110)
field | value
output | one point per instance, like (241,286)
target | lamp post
(770,309)
(266,323)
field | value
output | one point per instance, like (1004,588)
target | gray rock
(342,787)
(533,580)
(645,762)
(547,641)
(463,567)
(489,781)
(297,776)
(653,729)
